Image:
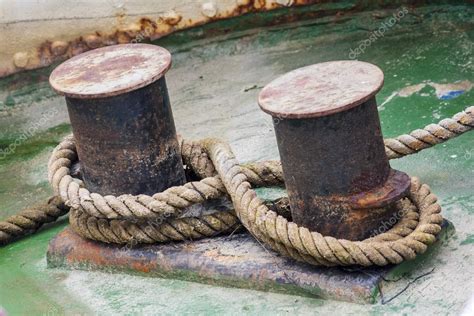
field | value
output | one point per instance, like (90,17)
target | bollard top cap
(321,89)
(110,71)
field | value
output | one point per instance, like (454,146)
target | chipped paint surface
(50,35)
(451,90)
(409,90)
(443,91)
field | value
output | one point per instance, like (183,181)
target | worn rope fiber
(172,201)
(157,218)
(431,135)
(31,219)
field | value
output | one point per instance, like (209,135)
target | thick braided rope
(301,244)
(191,228)
(170,228)
(160,227)
(163,223)
(132,231)
(142,232)
(167,204)
(30,219)
(431,135)
(163,230)
(195,155)
(174,200)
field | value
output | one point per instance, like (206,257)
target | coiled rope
(129,219)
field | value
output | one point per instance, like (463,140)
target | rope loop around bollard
(147,219)
(108,219)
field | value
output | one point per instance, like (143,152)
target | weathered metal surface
(327,126)
(126,24)
(121,118)
(237,261)
(53,35)
(321,89)
(110,71)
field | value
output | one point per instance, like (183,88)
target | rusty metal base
(234,261)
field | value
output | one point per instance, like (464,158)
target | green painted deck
(427,58)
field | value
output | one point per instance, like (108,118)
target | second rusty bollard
(121,118)
(337,175)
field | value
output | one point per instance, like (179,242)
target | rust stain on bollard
(121,118)
(337,175)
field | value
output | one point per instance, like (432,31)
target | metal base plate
(235,261)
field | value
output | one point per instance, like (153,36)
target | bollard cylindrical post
(121,118)
(337,175)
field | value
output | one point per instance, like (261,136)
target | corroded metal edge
(395,188)
(238,261)
(62,37)
(40,37)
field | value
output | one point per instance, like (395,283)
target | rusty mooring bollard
(121,118)
(337,175)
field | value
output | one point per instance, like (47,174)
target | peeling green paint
(469,240)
